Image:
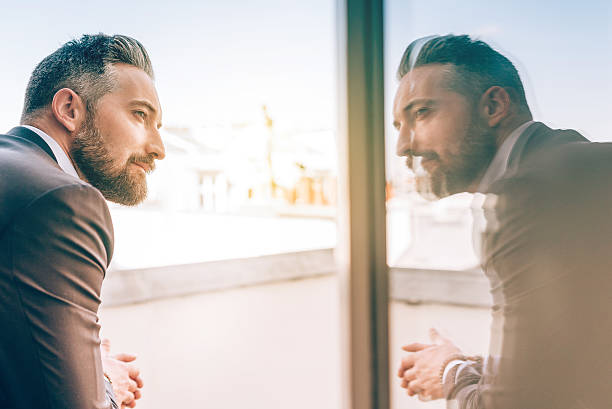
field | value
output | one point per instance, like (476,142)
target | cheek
(453,133)
(438,135)
(114,144)
(119,157)
(122,138)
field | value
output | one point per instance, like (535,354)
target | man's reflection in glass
(546,207)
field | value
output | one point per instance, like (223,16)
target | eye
(140,114)
(421,112)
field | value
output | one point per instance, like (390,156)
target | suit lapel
(518,150)
(25,133)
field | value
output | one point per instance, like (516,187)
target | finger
(400,371)
(411,392)
(424,398)
(407,363)
(125,357)
(105,345)
(129,398)
(410,375)
(139,381)
(415,387)
(415,347)
(436,337)
(132,386)
(137,394)
(133,371)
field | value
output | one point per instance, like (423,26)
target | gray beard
(475,155)
(95,163)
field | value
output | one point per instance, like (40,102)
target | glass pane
(223,280)
(562,53)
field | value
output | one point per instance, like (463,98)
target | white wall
(272,346)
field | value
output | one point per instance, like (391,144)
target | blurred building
(243,167)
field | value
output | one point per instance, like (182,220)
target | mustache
(426,155)
(145,159)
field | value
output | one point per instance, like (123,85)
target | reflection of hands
(125,377)
(420,371)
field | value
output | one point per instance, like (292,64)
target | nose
(155,146)
(404,141)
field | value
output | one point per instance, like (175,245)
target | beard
(116,181)
(476,152)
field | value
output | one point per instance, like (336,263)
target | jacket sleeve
(464,386)
(61,246)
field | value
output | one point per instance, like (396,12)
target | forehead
(426,82)
(134,84)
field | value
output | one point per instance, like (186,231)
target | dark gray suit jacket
(547,251)
(56,241)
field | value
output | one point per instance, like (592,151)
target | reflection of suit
(547,250)
(56,240)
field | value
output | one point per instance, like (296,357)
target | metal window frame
(361,250)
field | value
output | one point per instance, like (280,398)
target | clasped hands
(124,375)
(420,371)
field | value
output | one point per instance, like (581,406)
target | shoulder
(27,173)
(574,160)
(25,164)
(550,156)
(33,187)
(566,181)
(70,217)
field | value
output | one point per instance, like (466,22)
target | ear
(495,105)
(68,109)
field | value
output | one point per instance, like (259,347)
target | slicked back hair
(84,66)
(477,66)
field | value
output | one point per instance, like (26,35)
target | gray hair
(86,67)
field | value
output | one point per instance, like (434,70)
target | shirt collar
(62,159)
(499,164)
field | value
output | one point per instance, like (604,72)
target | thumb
(125,357)
(436,337)
(105,346)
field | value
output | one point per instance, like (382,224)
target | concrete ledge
(466,288)
(139,285)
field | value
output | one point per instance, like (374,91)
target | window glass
(562,52)
(244,201)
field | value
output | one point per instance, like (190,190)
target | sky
(562,49)
(217,63)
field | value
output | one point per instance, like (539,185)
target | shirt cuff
(110,394)
(450,366)
(462,366)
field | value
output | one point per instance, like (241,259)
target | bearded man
(462,116)
(89,132)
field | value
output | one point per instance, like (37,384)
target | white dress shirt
(499,164)
(62,159)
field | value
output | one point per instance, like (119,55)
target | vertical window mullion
(361,251)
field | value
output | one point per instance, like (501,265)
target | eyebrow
(147,105)
(424,101)
(408,108)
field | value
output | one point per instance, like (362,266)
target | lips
(143,166)
(429,164)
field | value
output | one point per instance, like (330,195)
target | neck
(56,131)
(473,187)
(502,133)
(506,128)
